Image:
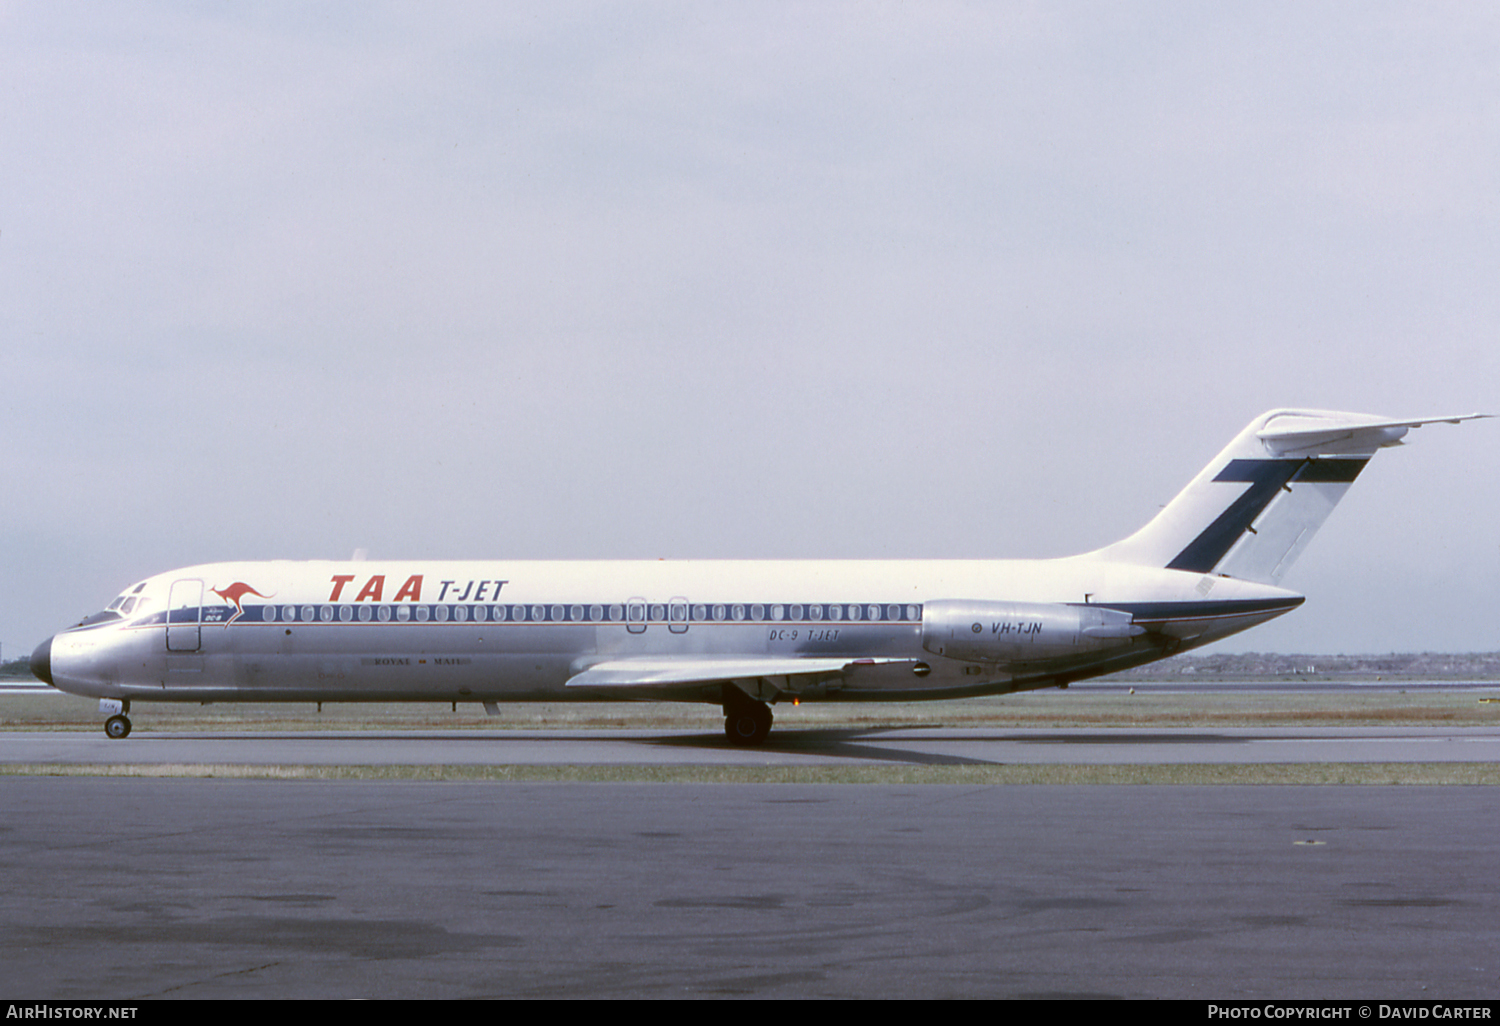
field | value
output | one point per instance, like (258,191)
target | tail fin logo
(234,593)
(1267,479)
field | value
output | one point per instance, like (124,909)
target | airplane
(743,635)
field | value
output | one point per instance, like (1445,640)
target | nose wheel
(118,724)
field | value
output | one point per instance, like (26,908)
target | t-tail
(1254,508)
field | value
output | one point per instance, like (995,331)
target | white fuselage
(521,631)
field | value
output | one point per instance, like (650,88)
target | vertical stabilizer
(1254,508)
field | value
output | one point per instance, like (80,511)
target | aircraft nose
(41,661)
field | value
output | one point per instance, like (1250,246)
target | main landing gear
(746,721)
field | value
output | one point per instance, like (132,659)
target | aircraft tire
(748,726)
(117,727)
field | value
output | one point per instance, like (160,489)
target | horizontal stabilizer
(1320,433)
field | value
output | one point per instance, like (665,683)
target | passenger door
(185,616)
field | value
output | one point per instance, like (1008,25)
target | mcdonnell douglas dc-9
(743,635)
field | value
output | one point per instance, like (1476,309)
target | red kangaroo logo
(233,593)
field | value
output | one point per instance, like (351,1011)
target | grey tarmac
(134,889)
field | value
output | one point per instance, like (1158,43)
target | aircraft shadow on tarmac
(846,743)
(853,743)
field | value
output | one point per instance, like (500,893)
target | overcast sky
(845,280)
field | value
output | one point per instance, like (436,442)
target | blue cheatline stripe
(611,613)
(1265,478)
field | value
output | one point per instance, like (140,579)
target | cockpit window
(131,602)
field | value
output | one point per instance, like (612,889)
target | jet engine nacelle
(1017,632)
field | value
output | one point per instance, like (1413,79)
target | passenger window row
(630,612)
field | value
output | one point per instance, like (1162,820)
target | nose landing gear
(118,724)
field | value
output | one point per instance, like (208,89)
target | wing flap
(664,671)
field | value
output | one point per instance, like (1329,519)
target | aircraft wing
(667,672)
